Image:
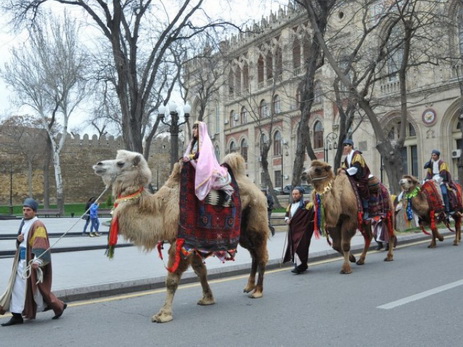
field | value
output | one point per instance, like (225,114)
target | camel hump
(236,163)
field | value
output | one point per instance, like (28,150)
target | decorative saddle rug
(455,198)
(379,203)
(429,188)
(212,226)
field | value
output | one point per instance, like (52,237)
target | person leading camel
(209,173)
(438,170)
(356,168)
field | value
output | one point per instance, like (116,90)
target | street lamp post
(330,143)
(174,126)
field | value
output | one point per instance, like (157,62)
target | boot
(16,319)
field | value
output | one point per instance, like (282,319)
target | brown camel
(145,219)
(422,207)
(340,210)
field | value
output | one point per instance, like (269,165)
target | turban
(29,202)
(436,152)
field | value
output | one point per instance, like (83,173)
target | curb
(120,288)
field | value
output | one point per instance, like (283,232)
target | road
(414,301)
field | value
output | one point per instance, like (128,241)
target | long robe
(37,243)
(362,175)
(300,231)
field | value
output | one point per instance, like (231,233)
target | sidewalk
(86,274)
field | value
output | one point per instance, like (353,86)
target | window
(238,80)
(278,179)
(409,151)
(217,152)
(296,54)
(231,88)
(263,109)
(318,92)
(244,115)
(306,48)
(318,135)
(232,147)
(244,149)
(396,52)
(278,63)
(269,65)
(260,69)
(263,142)
(245,78)
(232,117)
(277,143)
(276,105)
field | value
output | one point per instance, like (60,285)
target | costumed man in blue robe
(300,220)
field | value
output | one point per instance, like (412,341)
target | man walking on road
(300,219)
(25,297)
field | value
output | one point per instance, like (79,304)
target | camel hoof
(388,258)
(249,289)
(205,302)
(162,317)
(256,295)
(432,246)
(361,262)
(455,243)
(352,259)
(441,238)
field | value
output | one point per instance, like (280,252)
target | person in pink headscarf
(209,174)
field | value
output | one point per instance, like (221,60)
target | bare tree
(139,47)
(47,74)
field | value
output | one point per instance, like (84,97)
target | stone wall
(77,158)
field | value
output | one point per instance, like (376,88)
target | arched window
(245,78)
(260,69)
(306,48)
(263,109)
(244,115)
(278,63)
(396,53)
(269,65)
(277,143)
(232,117)
(231,89)
(244,149)
(232,147)
(263,141)
(318,92)
(276,106)
(238,81)
(318,135)
(409,150)
(296,54)
(298,98)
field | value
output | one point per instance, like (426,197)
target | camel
(146,219)
(339,203)
(428,216)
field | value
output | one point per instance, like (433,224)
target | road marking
(421,295)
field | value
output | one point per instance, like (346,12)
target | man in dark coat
(300,219)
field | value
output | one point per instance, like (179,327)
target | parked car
(288,189)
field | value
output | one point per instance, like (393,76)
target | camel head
(408,183)
(318,172)
(128,170)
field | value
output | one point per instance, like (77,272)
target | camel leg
(457,218)
(251,284)
(173,279)
(367,236)
(346,269)
(201,271)
(390,252)
(259,261)
(435,235)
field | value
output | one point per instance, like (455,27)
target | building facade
(258,95)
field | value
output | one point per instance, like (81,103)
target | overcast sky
(236,11)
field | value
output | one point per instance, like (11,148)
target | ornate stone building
(261,71)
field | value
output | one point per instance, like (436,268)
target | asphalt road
(414,301)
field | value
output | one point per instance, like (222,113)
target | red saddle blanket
(212,226)
(429,188)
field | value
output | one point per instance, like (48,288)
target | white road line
(419,296)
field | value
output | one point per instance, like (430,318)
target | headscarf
(206,165)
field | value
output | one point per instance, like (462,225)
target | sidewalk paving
(86,274)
